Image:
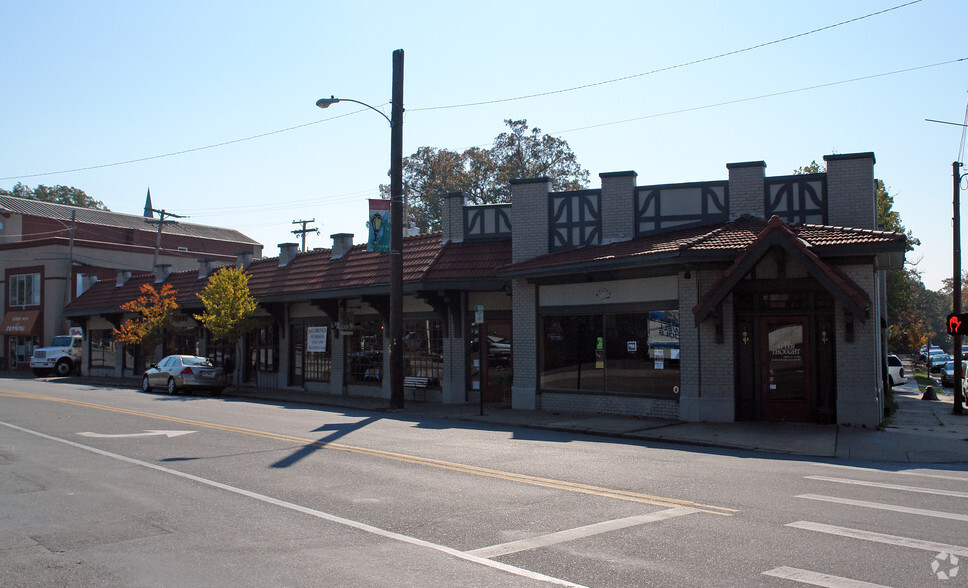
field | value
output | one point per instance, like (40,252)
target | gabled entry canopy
(778,234)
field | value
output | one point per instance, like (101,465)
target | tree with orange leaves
(155,308)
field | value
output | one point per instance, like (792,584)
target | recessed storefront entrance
(785,356)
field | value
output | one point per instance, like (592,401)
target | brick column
(618,206)
(529,231)
(746,189)
(452,217)
(525,348)
(850,190)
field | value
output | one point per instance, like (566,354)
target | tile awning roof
(429,264)
(721,241)
(314,275)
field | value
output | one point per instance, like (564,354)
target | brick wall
(850,190)
(529,232)
(858,364)
(525,348)
(453,385)
(618,206)
(452,217)
(746,195)
(663,408)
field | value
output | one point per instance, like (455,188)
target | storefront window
(311,355)
(626,353)
(365,353)
(423,349)
(264,349)
(104,354)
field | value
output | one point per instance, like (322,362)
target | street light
(396,223)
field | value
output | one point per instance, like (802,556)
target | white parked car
(895,371)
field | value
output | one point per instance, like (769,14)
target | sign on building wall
(316,339)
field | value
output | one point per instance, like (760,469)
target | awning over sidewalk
(20,322)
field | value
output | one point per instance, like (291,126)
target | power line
(667,68)
(182,152)
(470,104)
(763,96)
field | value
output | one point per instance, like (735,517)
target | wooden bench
(414,383)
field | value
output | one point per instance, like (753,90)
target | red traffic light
(957,324)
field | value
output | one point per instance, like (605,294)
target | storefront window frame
(598,314)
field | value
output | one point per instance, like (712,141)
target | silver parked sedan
(182,372)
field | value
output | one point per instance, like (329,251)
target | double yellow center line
(423,461)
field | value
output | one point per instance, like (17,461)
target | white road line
(817,579)
(951,493)
(578,533)
(892,473)
(309,511)
(881,538)
(918,511)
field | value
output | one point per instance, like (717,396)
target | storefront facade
(750,298)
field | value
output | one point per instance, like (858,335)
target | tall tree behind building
(910,307)
(485,174)
(68,195)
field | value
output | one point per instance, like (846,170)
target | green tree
(485,174)
(56,194)
(229,304)
(155,308)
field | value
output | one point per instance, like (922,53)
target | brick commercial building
(749,298)
(50,252)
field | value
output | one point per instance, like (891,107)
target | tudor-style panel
(797,199)
(487,221)
(671,207)
(575,219)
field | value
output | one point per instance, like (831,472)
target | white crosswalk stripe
(817,578)
(881,538)
(919,489)
(891,507)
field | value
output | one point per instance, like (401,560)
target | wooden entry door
(785,367)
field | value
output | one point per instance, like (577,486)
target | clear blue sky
(99,83)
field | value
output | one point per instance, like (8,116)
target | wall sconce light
(823,336)
(745,337)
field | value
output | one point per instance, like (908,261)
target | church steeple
(149,213)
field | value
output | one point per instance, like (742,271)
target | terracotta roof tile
(469,260)
(726,239)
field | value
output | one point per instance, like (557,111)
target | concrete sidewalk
(922,431)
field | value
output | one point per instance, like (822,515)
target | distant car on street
(937,360)
(948,373)
(895,370)
(183,372)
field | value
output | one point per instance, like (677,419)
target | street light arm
(327,102)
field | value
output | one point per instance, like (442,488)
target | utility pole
(302,232)
(956,283)
(162,214)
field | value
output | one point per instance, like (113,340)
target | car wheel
(63,368)
(172,389)
(891,381)
(145,385)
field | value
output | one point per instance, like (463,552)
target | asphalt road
(113,487)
